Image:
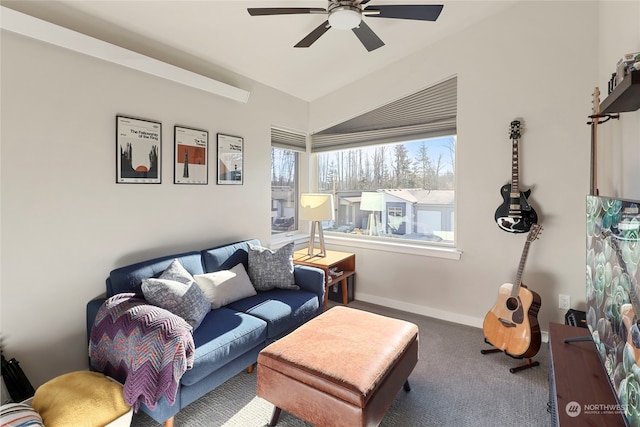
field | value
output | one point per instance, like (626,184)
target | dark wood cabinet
(579,390)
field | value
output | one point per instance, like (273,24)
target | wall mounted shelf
(625,97)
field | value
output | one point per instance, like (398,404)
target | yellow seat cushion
(80,398)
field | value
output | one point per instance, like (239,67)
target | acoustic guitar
(512,324)
(515,214)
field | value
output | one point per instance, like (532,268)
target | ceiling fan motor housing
(344,15)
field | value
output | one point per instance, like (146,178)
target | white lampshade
(316,207)
(372,201)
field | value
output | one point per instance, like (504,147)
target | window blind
(428,113)
(288,140)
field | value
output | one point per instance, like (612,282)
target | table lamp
(316,207)
(373,202)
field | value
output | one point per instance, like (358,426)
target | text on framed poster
(191,165)
(230,159)
(138,151)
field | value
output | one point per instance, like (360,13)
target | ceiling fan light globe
(345,18)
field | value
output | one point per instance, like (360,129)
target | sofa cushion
(226,256)
(272,269)
(223,335)
(225,286)
(177,291)
(283,310)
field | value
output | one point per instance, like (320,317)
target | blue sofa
(229,338)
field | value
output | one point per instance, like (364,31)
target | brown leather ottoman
(343,368)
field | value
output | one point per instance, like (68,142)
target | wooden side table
(344,262)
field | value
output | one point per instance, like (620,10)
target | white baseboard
(449,316)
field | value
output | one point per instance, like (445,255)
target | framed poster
(138,151)
(190,156)
(230,158)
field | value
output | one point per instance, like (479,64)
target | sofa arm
(310,279)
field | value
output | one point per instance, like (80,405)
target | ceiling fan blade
(262,11)
(368,38)
(425,12)
(314,35)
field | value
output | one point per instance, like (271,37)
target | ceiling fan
(347,15)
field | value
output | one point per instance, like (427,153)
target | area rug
(453,385)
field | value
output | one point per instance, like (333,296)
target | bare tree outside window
(284,190)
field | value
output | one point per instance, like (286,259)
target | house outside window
(402,191)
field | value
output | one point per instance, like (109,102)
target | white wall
(66,224)
(538,61)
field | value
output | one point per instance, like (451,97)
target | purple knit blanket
(145,347)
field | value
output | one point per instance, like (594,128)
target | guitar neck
(514,169)
(523,260)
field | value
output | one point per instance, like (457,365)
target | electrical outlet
(564,302)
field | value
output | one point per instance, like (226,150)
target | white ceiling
(220,38)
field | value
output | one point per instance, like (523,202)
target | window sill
(403,248)
(279,240)
(349,242)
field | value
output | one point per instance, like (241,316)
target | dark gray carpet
(452,385)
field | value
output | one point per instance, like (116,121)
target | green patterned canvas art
(613,275)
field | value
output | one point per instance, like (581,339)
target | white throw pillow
(225,286)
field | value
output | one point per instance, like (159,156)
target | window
(284,166)
(399,191)
(285,147)
(392,170)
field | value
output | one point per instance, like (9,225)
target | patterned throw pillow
(177,291)
(177,272)
(269,269)
(19,415)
